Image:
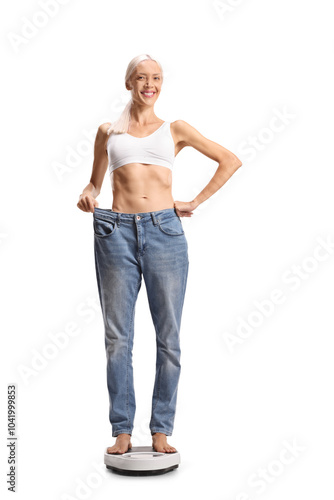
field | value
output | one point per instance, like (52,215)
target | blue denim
(128,246)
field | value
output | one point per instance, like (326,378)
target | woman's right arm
(87,201)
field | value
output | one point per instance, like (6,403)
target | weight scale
(142,461)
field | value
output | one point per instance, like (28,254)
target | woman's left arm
(228,163)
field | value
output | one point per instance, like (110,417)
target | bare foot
(122,445)
(159,443)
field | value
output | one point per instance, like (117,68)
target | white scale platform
(142,461)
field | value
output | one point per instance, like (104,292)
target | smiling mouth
(148,94)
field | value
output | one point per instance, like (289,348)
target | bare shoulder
(185,133)
(179,126)
(180,130)
(103,128)
(102,136)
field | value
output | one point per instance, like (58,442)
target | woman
(143,236)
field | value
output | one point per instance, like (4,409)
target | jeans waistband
(156,216)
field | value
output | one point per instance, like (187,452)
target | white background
(245,394)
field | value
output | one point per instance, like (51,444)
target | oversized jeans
(128,246)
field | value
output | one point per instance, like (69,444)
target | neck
(142,116)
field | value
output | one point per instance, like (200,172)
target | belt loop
(155,222)
(118,219)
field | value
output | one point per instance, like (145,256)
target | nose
(149,84)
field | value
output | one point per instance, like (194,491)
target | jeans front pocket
(103,227)
(171,226)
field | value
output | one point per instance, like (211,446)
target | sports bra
(155,149)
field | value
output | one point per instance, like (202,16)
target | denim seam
(169,234)
(127,361)
(158,391)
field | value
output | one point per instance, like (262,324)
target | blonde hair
(121,125)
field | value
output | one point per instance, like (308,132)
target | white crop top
(155,149)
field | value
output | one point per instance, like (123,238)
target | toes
(162,448)
(113,451)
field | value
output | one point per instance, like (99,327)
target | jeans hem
(163,431)
(125,431)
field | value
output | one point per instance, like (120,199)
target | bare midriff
(141,187)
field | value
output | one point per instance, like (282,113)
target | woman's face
(146,82)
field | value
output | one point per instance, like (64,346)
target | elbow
(236,162)
(232,163)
